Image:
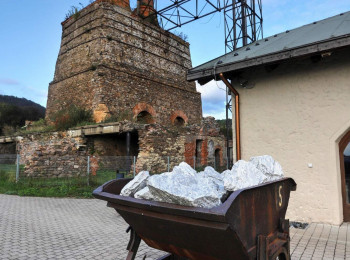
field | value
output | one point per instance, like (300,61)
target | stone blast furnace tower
(117,62)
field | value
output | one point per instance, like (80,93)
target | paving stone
(52,228)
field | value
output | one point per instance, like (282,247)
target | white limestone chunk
(243,175)
(185,189)
(145,194)
(138,183)
(225,172)
(213,176)
(184,186)
(184,168)
(267,165)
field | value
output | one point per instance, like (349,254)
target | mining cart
(250,224)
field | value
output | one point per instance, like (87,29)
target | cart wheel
(281,255)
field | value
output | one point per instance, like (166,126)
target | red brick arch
(140,107)
(178,113)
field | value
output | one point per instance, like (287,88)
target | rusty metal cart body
(250,224)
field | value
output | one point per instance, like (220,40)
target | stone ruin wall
(210,140)
(64,154)
(54,154)
(111,61)
(157,144)
(114,63)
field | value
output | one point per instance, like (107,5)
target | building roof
(310,39)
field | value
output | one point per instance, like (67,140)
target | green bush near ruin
(71,117)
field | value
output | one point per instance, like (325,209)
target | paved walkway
(321,241)
(50,228)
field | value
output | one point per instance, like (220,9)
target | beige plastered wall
(298,113)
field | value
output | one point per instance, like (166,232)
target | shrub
(9,130)
(70,117)
(120,116)
(111,119)
(181,35)
(124,115)
(74,11)
(40,123)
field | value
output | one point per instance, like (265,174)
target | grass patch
(76,187)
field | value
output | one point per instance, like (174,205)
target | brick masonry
(64,154)
(52,155)
(115,63)
(113,58)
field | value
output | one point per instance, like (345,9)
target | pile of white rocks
(207,189)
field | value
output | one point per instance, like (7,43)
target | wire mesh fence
(94,170)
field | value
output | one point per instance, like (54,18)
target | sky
(30,36)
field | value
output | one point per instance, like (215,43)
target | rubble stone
(207,189)
(267,165)
(138,183)
(184,168)
(184,189)
(145,194)
(213,176)
(243,174)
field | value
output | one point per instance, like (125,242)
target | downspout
(237,121)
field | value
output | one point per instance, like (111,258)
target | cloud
(4,81)
(213,99)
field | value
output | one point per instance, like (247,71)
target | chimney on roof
(145,9)
(121,3)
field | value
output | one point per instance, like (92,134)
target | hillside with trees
(15,111)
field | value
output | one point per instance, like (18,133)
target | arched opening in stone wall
(144,113)
(217,157)
(144,117)
(178,118)
(179,121)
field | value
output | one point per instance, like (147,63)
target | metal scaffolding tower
(242,18)
(242,21)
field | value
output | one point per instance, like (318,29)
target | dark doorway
(113,144)
(344,156)
(113,152)
(217,158)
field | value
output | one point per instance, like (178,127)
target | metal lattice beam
(242,21)
(242,18)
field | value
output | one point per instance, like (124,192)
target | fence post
(17,167)
(88,170)
(134,166)
(194,162)
(168,163)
